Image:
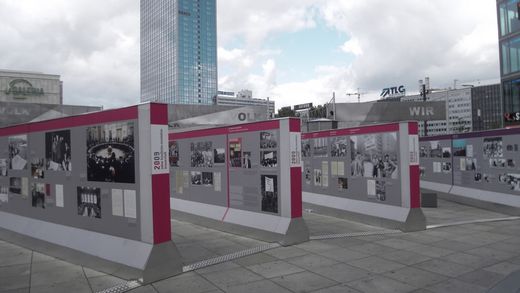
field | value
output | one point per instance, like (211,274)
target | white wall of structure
(458,111)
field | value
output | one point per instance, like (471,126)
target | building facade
(509,47)
(244,98)
(486,107)
(179,51)
(30,87)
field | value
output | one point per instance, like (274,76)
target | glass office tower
(179,51)
(509,42)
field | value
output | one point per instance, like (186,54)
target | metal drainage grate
(123,287)
(354,234)
(472,222)
(228,257)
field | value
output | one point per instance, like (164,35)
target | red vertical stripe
(294,125)
(161,208)
(415,190)
(159,114)
(296,192)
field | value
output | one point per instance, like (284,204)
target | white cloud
(352,46)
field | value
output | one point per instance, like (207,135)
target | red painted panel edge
(353,131)
(256,126)
(161,208)
(296,192)
(294,125)
(413,128)
(128,113)
(158,114)
(415,189)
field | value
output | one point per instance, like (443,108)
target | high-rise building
(179,51)
(509,47)
(486,107)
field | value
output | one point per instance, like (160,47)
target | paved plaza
(475,257)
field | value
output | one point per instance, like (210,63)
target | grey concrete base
(164,260)
(296,233)
(415,221)
(428,199)
(486,205)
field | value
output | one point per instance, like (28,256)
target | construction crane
(358,94)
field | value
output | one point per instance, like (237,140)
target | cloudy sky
(293,51)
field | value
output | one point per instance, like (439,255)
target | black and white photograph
(514,181)
(37,168)
(376,190)
(446,152)
(497,163)
(89,202)
(18,152)
(511,163)
(306,148)
(219,155)
(4,166)
(492,147)
(422,171)
(4,195)
(15,185)
(317,177)
(477,177)
(58,150)
(471,164)
(111,153)
(201,154)
(207,178)
(342,183)
(246,160)
(487,177)
(338,146)
(173,153)
(424,152)
(39,192)
(268,159)
(235,152)
(435,149)
(374,156)
(308,176)
(269,186)
(196,177)
(268,140)
(320,146)
(446,167)
(459,147)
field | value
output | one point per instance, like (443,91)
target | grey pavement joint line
(472,222)
(123,287)
(228,257)
(353,234)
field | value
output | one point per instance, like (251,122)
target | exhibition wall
(97,183)
(480,165)
(246,175)
(370,171)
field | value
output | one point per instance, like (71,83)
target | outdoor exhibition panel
(436,163)
(96,183)
(369,172)
(485,167)
(243,178)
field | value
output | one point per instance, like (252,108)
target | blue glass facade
(179,51)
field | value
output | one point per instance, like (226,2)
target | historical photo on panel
(173,153)
(471,164)
(268,159)
(268,140)
(446,152)
(18,152)
(269,193)
(219,155)
(111,153)
(511,163)
(306,148)
(58,150)
(459,147)
(320,147)
(235,152)
(4,165)
(308,175)
(374,155)
(338,146)
(202,154)
(38,194)
(342,184)
(4,194)
(37,168)
(207,178)
(446,167)
(196,178)
(497,163)
(15,185)
(492,147)
(89,202)
(435,149)
(246,161)
(317,177)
